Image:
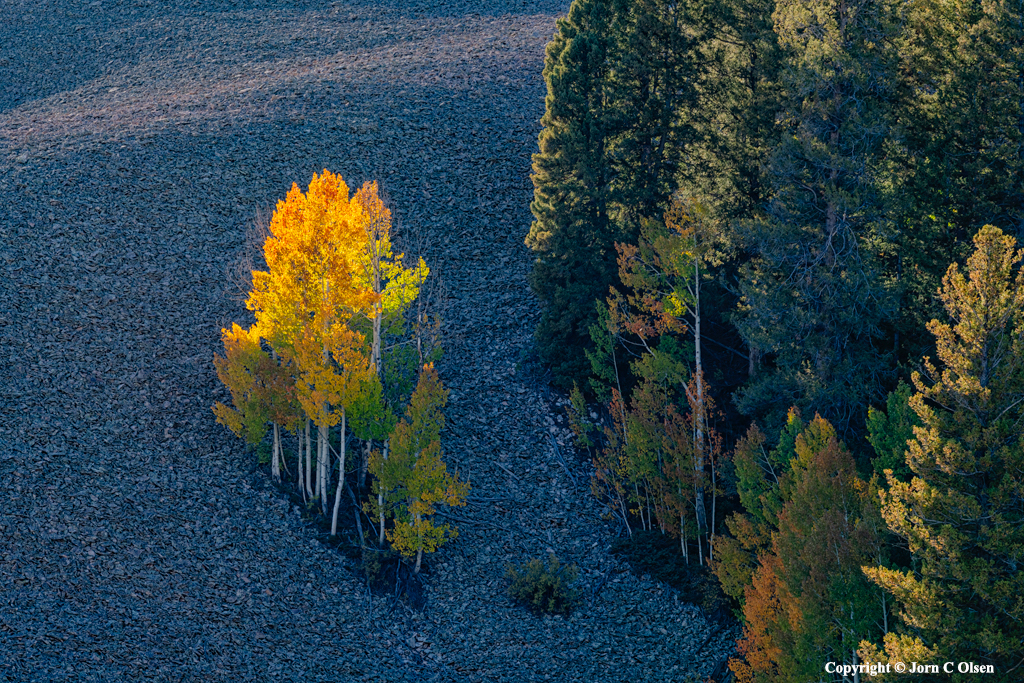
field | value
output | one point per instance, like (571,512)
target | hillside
(137,538)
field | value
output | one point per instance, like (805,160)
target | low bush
(544,588)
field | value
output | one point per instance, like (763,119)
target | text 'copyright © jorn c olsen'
(908,668)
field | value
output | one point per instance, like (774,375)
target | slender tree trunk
(682,537)
(625,517)
(309,462)
(364,462)
(341,477)
(380,499)
(419,551)
(275,460)
(284,459)
(359,521)
(699,454)
(301,470)
(322,462)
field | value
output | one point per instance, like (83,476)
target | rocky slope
(137,541)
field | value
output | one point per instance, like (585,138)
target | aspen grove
(331,355)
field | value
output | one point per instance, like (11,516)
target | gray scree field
(138,141)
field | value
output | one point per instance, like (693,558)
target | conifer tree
(889,432)
(573,235)
(808,602)
(962,514)
(958,159)
(620,75)
(814,299)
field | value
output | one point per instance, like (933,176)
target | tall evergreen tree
(807,601)
(962,514)
(618,74)
(813,297)
(958,159)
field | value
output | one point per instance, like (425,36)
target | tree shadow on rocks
(387,574)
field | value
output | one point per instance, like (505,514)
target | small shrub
(263,454)
(381,570)
(544,589)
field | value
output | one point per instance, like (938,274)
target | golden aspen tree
(243,370)
(309,294)
(415,474)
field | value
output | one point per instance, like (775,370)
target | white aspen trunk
(285,472)
(380,499)
(625,517)
(275,460)
(309,462)
(325,445)
(318,463)
(301,470)
(682,534)
(375,347)
(341,477)
(322,463)
(682,538)
(650,520)
(364,462)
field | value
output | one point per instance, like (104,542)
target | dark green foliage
(815,300)
(889,432)
(544,588)
(380,567)
(619,75)
(263,453)
(958,162)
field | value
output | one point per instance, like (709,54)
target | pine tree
(808,602)
(814,299)
(618,75)
(962,514)
(573,235)
(889,431)
(957,161)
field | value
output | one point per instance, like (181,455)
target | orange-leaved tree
(807,601)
